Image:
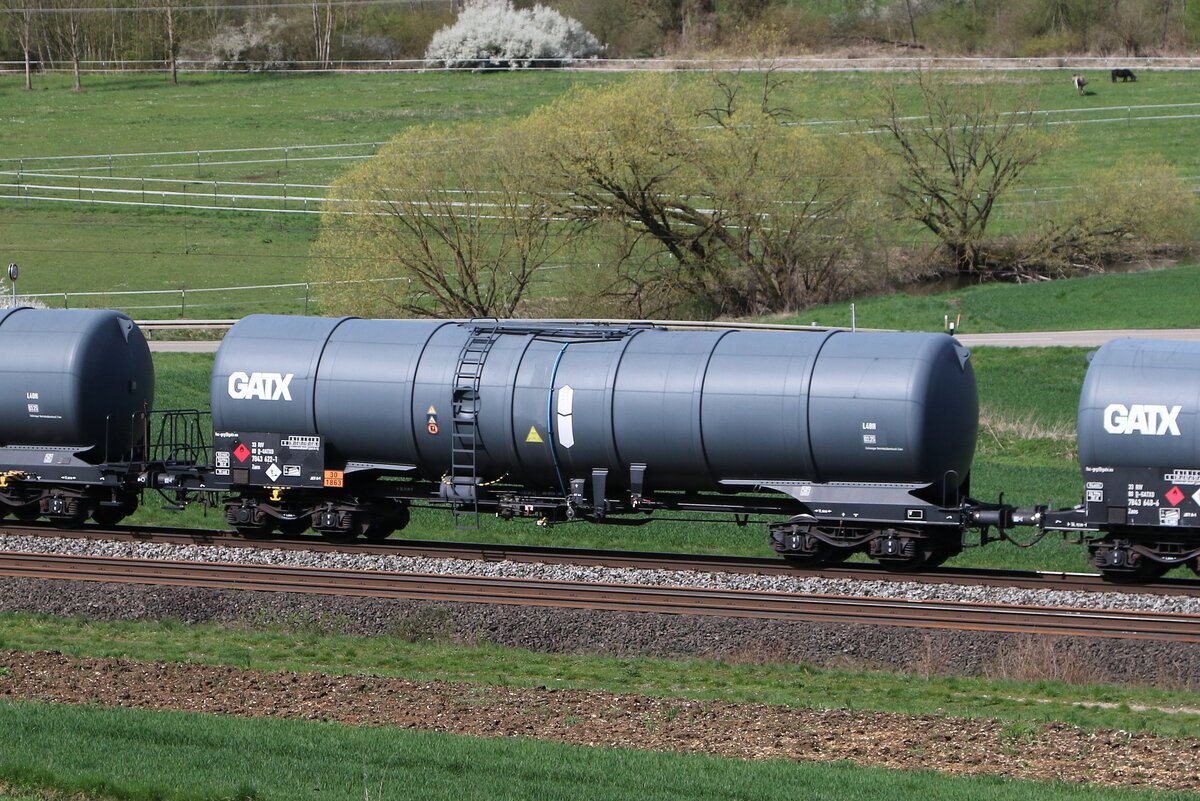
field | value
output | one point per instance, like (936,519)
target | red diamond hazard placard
(241,452)
(1174,495)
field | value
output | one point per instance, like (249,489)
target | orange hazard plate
(333,478)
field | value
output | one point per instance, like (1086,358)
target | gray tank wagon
(860,441)
(75,388)
(1139,450)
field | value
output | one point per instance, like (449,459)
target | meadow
(287,136)
(135,755)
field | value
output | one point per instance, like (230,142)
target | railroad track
(1025,579)
(586,595)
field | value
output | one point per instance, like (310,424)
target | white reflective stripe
(566,429)
(566,399)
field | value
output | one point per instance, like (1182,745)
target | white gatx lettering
(1146,419)
(263,386)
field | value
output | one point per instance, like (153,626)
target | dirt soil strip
(1047,752)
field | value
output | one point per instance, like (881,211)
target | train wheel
(924,554)
(72,520)
(382,527)
(378,531)
(27,513)
(256,531)
(805,562)
(295,527)
(941,551)
(906,552)
(1146,571)
(108,516)
(112,515)
(401,517)
(1194,564)
(823,556)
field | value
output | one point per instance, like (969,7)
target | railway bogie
(338,519)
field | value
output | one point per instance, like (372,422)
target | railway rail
(1060,621)
(1025,579)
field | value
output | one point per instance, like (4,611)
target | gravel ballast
(613,575)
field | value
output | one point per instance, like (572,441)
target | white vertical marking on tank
(566,403)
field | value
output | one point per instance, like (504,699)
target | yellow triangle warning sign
(534,436)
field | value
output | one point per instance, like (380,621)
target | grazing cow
(1124,74)
(1078,81)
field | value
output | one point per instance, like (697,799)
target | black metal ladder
(464,428)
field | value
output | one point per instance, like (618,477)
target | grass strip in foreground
(133,754)
(308,643)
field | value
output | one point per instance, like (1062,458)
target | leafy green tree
(725,203)
(441,222)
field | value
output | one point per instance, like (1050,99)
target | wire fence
(226,301)
(899,63)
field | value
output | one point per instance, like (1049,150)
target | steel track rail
(587,595)
(1026,579)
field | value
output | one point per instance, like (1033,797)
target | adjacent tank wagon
(1139,450)
(75,388)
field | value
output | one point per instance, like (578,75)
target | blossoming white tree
(491,34)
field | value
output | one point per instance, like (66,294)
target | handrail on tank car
(180,438)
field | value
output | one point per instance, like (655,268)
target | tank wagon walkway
(1025,339)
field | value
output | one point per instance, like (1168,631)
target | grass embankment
(135,755)
(423,651)
(1168,298)
(79,247)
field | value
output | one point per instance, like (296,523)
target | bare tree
(957,156)
(65,29)
(172,42)
(322,16)
(22,22)
(439,223)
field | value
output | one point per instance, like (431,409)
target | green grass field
(134,755)
(1162,298)
(90,247)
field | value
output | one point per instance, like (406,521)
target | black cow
(1124,74)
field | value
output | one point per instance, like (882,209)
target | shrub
(1133,210)
(492,34)
(257,44)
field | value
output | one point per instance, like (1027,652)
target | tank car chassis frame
(68,485)
(904,527)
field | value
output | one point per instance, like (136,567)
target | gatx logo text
(1141,418)
(263,386)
